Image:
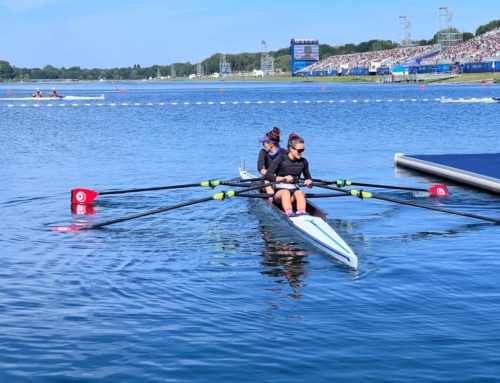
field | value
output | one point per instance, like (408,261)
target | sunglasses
(300,151)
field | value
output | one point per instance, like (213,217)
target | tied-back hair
(274,135)
(294,139)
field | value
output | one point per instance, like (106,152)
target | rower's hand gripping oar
(362,194)
(219,196)
(436,190)
(87,196)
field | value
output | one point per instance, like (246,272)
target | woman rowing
(54,93)
(288,167)
(271,149)
(37,93)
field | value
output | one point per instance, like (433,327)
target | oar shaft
(389,187)
(149,189)
(150,213)
(372,185)
(205,183)
(161,210)
(418,205)
(438,209)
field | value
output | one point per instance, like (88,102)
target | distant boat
(68,98)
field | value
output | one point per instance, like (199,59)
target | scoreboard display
(303,52)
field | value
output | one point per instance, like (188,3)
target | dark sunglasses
(300,151)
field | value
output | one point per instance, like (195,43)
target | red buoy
(122,91)
(9,92)
(222,90)
(323,88)
(422,87)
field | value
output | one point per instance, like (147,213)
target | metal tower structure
(404,36)
(224,67)
(447,36)
(266,61)
(199,69)
(158,74)
(172,72)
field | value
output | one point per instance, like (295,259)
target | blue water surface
(217,291)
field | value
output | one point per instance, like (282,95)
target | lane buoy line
(218,103)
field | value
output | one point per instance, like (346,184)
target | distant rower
(37,93)
(54,93)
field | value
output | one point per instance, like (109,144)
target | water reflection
(284,259)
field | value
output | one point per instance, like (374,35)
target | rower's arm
(271,172)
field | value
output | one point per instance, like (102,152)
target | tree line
(241,62)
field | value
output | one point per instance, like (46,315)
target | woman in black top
(271,149)
(289,167)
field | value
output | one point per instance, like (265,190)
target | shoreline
(463,79)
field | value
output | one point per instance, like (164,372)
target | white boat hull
(65,98)
(470,100)
(313,229)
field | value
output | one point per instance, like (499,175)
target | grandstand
(384,58)
(477,55)
(481,48)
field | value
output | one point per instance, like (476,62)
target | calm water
(215,292)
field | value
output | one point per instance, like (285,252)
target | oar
(87,196)
(436,190)
(222,195)
(362,194)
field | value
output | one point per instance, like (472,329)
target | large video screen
(306,52)
(300,65)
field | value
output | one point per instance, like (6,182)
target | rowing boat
(312,228)
(67,98)
(470,100)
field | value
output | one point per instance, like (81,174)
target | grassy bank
(470,77)
(462,79)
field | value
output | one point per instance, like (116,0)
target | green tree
(5,70)
(482,29)
(133,75)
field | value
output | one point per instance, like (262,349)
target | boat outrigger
(67,98)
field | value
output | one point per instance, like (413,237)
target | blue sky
(120,33)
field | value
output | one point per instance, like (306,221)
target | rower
(54,93)
(271,149)
(288,167)
(37,94)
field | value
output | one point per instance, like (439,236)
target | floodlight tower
(404,31)
(199,69)
(447,36)
(172,72)
(224,67)
(266,61)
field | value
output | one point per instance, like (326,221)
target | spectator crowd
(475,49)
(388,57)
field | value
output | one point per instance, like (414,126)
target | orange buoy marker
(422,87)
(122,91)
(222,90)
(9,92)
(483,83)
(323,88)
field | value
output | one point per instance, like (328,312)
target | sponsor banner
(478,67)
